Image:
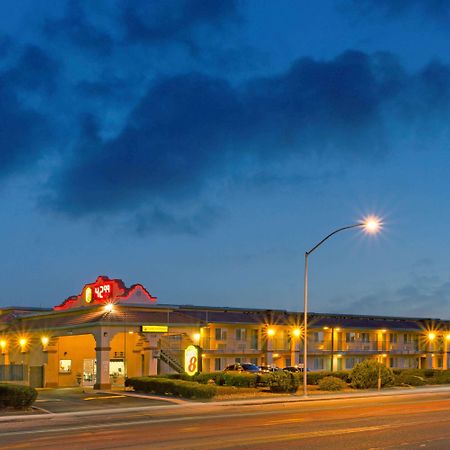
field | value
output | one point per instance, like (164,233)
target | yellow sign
(155,328)
(88,295)
(191,360)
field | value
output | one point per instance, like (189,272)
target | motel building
(110,332)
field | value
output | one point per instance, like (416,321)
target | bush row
(164,386)
(419,377)
(15,396)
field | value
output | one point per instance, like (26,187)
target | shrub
(365,375)
(15,396)
(164,386)
(282,381)
(332,384)
(408,378)
(315,377)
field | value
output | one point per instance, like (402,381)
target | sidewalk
(179,403)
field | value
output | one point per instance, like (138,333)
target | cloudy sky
(201,147)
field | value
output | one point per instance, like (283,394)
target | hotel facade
(109,332)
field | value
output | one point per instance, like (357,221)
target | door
(37,376)
(89,368)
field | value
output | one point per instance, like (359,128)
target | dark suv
(242,367)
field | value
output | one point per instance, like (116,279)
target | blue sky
(200,148)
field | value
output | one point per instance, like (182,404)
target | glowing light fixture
(45,340)
(431,336)
(109,307)
(296,332)
(372,224)
(196,337)
(447,337)
(3,344)
(270,332)
(22,343)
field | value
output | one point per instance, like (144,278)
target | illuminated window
(65,365)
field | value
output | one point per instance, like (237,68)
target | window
(365,337)
(65,365)
(318,336)
(393,338)
(254,339)
(221,334)
(350,337)
(318,363)
(240,334)
(217,363)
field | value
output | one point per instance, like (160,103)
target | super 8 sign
(191,363)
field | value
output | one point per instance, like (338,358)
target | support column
(150,354)
(269,352)
(51,367)
(445,356)
(102,352)
(295,351)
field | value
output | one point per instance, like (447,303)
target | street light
(370,225)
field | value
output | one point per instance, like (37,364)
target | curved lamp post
(370,225)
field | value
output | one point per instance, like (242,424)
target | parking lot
(78,399)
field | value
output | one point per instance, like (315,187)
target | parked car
(269,369)
(295,369)
(242,367)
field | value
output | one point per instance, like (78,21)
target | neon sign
(102,291)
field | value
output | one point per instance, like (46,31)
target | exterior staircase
(172,349)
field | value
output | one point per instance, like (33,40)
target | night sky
(201,147)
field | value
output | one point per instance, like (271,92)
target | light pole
(371,225)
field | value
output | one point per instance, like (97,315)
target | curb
(176,403)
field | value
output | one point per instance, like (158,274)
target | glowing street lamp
(370,225)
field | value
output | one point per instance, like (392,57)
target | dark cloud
(174,20)
(438,10)
(79,30)
(191,128)
(34,70)
(24,132)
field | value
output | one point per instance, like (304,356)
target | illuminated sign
(102,291)
(88,295)
(191,362)
(155,328)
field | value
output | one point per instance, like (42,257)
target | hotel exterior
(109,332)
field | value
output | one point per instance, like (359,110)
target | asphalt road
(389,422)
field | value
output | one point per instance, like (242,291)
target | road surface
(389,422)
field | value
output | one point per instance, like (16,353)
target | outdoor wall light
(196,337)
(109,307)
(45,340)
(270,332)
(2,345)
(431,336)
(296,332)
